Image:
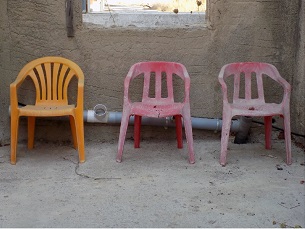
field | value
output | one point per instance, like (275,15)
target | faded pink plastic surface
(248,106)
(157,107)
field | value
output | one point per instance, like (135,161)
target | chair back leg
(31,131)
(178,123)
(137,130)
(73,131)
(268,130)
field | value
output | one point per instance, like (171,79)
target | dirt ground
(154,186)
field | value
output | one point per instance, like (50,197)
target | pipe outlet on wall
(98,114)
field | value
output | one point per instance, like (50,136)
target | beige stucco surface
(237,30)
(298,95)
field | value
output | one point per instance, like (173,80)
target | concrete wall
(298,95)
(237,30)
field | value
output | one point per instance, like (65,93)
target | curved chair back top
(51,77)
(160,70)
(249,69)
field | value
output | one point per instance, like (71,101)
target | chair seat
(266,109)
(46,111)
(156,110)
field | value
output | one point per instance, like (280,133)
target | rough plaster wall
(246,30)
(298,95)
(4,69)
(238,30)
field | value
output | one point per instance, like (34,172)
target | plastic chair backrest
(51,77)
(159,70)
(250,69)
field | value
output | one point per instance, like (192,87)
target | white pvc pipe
(115,118)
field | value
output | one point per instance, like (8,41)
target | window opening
(144,13)
(175,6)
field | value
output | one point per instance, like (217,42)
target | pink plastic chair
(248,106)
(157,107)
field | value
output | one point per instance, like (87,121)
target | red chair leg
(268,130)
(178,122)
(137,130)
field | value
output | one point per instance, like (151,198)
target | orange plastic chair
(157,107)
(249,106)
(51,77)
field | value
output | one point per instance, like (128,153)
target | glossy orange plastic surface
(51,77)
(157,106)
(248,106)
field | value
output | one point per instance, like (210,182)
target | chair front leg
(14,137)
(287,131)
(225,133)
(123,130)
(189,134)
(79,127)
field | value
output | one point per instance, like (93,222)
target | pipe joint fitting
(100,111)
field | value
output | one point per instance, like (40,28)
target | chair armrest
(130,75)
(275,75)
(18,81)
(80,94)
(187,85)
(223,84)
(286,86)
(287,90)
(13,96)
(13,90)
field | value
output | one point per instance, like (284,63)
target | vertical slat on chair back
(51,80)
(248,69)
(159,69)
